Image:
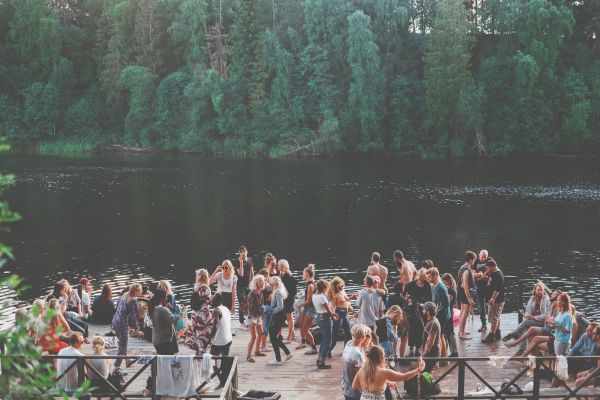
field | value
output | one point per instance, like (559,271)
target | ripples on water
(124,221)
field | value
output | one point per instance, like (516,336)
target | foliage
(424,78)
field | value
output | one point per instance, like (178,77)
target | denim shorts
(310,311)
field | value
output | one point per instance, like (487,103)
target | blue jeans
(241,293)
(388,347)
(324,322)
(342,322)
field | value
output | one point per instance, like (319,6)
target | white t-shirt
(319,301)
(223,334)
(226,285)
(85,303)
(68,382)
(353,357)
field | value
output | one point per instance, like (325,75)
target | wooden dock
(299,378)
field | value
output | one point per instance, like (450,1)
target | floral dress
(125,318)
(198,335)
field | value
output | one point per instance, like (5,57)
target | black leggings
(277,321)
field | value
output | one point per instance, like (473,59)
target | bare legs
(465,311)
(537,343)
(531,332)
(290,321)
(254,339)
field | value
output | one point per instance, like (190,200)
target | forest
(274,78)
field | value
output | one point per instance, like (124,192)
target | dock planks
(299,378)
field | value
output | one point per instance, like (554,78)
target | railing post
(80,371)
(461,380)
(519,299)
(154,372)
(536,379)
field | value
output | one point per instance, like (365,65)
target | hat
(430,307)
(84,281)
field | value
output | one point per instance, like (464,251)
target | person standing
(291,285)
(431,335)
(308,312)
(164,337)
(481,284)
(221,337)
(450,283)
(339,300)
(376,269)
(277,319)
(444,314)
(370,305)
(496,300)
(466,284)
(244,270)
(325,315)
(406,268)
(254,310)
(226,284)
(353,358)
(419,292)
(127,318)
(198,335)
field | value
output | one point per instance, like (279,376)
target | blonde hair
(98,344)
(540,284)
(53,304)
(252,285)
(422,271)
(202,276)
(277,284)
(283,266)
(227,264)
(449,280)
(40,305)
(309,272)
(375,359)
(166,286)
(434,271)
(395,309)
(360,330)
(331,290)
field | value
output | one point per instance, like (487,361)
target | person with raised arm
(226,282)
(244,270)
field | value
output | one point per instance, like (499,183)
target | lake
(118,218)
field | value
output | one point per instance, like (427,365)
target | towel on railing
(530,365)
(498,361)
(177,376)
(562,368)
(205,369)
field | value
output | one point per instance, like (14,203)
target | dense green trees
(425,78)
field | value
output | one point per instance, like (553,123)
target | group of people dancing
(411,316)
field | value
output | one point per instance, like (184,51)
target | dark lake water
(121,218)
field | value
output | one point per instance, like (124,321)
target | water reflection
(118,219)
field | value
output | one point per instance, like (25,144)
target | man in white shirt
(86,293)
(70,382)
(353,358)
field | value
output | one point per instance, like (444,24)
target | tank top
(223,334)
(311,282)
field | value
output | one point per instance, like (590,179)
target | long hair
(375,359)
(130,295)
(449,280)
(202,276)
(252,285)
(277,285)
(166,286)
(332,289)
(284,266)
(106,292)
(309,272)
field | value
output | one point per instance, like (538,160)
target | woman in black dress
(419,292)
(291,285)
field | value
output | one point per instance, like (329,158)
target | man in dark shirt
(481,285)
(496,300)
(244,269)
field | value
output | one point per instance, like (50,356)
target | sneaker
(497,335)
(323,366)
(482,329)
(275,363)
(289,357)
(301,346)
(490,338)
(311,352)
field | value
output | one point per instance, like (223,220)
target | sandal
(250,360)
(322,365)
(301,346)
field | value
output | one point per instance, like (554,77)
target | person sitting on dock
(537,311)
(70,381)
(586,346)
(583,376)
(373,377)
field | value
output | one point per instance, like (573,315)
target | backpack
(427,388)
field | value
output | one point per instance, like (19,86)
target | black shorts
(220,350)
(462,296)
(288,306)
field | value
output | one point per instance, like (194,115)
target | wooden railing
(542,364)
(227,367)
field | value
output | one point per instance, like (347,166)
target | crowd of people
(412,316)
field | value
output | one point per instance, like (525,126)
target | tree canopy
(419,78)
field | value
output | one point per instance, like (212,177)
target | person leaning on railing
(585,346)
(582,376)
